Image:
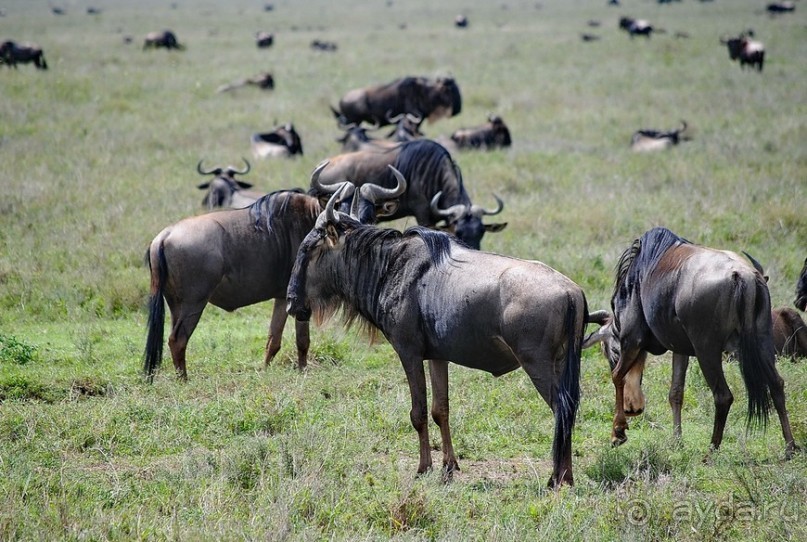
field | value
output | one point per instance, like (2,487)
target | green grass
(98,154)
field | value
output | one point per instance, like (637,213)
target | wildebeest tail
(154,342)
(568,393)
(755,353)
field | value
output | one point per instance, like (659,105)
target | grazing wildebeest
(434,298)
(416,95)
(635,27)
(781,7)
(670,294)
(264,39)
(12,53)
(789,333)
(166,39)
(801,289)
(231,259)
(745,50)
(282,142)
(492,135)
(263,80)
(435,192)
(224,190)
(319,45)
(656,140)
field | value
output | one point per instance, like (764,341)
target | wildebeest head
(282,141)
(447,94)
(801,289)
(407,127)
(223,185)
(465,221)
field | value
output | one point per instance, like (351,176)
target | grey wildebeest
(12,53)
(801,289)
(670,294)
(263,80)
(434,298)
(165,39)
(435,190)
(655,140)
(789,333)
(231,259)
(282,142)
(745,50)
(635,27)
(425,98)
(224,190)
(492,135)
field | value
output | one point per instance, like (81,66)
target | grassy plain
(98,154)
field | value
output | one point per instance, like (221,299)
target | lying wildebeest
(282,142)
(416,95)
(12,53)
(656,140)
(745,50)
(461,21)
(801,289)
(435,192)
(263,80)
(781,7)
(636,27)
(319,45)
(224,190)
(589,37)
(492,135)
(670,294)
(264,39)
(789,333)
(231,259)
(433,298)
(166,39)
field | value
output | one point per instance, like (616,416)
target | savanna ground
(97,155)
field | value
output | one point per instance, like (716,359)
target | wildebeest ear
(387,209)
(493,228)
(242,184)
(331,235)
(203,186)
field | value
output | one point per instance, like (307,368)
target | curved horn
(599,317)
(480,211)
(214,171)
(324,188)
(232,171)
(683,126)
(416,119)
(395,119)
(330,213)
(455,211)
(374,192)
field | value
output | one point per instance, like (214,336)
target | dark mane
(423,161)
(266,208)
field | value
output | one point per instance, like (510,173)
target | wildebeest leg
(438,373)
(416,377)
(183,323)
(711,364)
(680,363)
(301,330)
(634,400)
(626,362)
(276,325)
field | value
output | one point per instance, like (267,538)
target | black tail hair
(154,342)
(568,393)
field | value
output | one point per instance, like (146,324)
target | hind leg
(183,323)
(302,330)
(680,363)
(438,373)
(276,325)
(711,364)
(777,389)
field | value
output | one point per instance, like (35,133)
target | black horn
(214,171)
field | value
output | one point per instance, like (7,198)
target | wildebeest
(407,127)
(263,80)
(789,333)
(745,50)
(635,27)
(435,191)
(319,45)
(461,21)
(433,298)
(224,190)
(656,140)
(231,259)
(264,39)
(801,289)
(91,10)
(282,142)
(492,135)
(585,36)
(166,39)
(781,7)
(670,294)
(416,95)
(12,53)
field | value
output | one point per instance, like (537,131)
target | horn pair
(456,211)
(217,170)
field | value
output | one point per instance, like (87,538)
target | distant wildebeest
(419,96)
(224,190)
(93,11)
(264,39)
(435,191)
(801,289)
(434,299)
(781,7)
(263,80)
(407,128)
(231,259)
(745,50)
(585,36)
(282,142)
(319,45)
(656,140)
(492,135)
(166,39)
(56,10)
(12,53)
(635,27)
(356,138)
(461,21)
(670,294)
(789,333)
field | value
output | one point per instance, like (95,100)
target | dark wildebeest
(694,301)
(319,45)
(263,80)
(801,289)
(231,259)
(745,50)
(224,190)
(407,128)
(656,140)
(12,53)
(416,95)
(435,192)
(356,138)
(461,21)
(781,7)
(789,333)
(589,37)
(434,298)
(166,39)
(282,142)
(492,135)
(635,27)
(264,39)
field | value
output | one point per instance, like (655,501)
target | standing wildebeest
(435,192)
(264,39)
(635,27)
(12,53)
(695,301)
(166,39)
(745,50)
(224,190)
(789,333)
(492,135)
(282,142)
(416,95)
(434,298)
(231,259)
(801,289)
(263,80)
(656,140)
